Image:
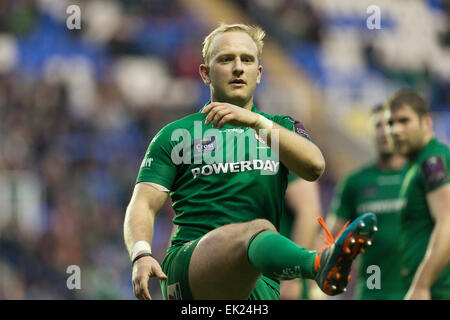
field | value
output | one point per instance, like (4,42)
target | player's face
(383,141)
(408,130)
(234,70)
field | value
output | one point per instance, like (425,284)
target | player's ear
(204,73)
(258,78)
(428,120)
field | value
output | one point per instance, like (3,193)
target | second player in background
(375,188)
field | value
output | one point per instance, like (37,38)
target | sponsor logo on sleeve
(300,129)
(434,171)
(147,162)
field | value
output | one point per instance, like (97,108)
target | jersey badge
(434,171)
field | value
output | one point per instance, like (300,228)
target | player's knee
(235,236)
(260,224)
(248,229)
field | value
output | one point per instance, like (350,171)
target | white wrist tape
(263,124)
(140,246)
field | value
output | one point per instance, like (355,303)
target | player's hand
(143,270)
(221,113)
(416,293)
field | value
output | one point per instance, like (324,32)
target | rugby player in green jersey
(375,187)
(226,169)
(425,218)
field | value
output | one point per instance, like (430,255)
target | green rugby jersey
(370,189)
(216,177)
(428,172)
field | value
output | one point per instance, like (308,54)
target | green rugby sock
(278,257)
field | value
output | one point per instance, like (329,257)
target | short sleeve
(342,204)
(157,165)
(292,125)
(435,172)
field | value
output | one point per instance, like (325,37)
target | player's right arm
(304,199)
(155,179)
(299,154)
(140,216)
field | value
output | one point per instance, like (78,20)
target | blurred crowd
(77,111)
(71,140)
(332,42)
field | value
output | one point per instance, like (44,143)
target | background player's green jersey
(217,177)
(286,225)
(373,190)
(429,171)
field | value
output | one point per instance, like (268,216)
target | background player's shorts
(176,266)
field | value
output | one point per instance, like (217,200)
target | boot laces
(329,240)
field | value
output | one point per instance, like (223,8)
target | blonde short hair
(255,32)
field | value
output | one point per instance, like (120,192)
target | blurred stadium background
(79,107)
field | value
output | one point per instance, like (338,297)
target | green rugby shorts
(176,266)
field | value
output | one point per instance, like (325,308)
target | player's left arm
(437,255)
(298,153)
